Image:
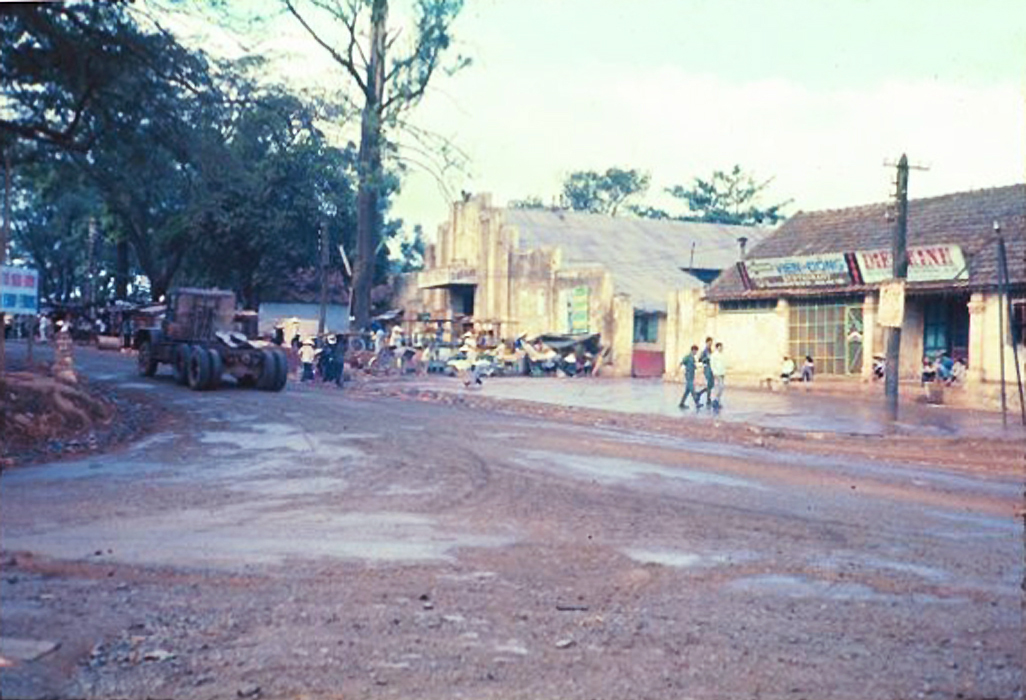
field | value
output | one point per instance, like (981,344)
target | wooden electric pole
(5,234)
(324,281)
(1006,305)
(899,268)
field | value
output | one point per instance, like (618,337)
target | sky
(815,96)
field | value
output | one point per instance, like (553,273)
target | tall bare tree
(390,79)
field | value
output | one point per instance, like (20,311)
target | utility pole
(899,267)
(5,235)
(1006,304)
(324,280)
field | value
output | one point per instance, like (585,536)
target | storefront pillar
(977,333)
(869,333)
(784,339)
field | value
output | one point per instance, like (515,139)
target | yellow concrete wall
(989,322)
(686,320)
(521,289)
(622,335)
(754,341)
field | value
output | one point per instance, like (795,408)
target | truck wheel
(216,368)
(147,363)
(268,370)
(283,371)
(181,360)
(199,369)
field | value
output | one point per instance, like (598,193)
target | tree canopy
(728,197)
(603,193)
(135,156)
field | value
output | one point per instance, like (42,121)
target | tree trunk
(5,234)
(121,270)
(368,216)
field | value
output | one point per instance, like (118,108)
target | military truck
(198,339)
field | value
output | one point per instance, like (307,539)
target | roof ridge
(859,207)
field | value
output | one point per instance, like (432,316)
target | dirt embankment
(44,417)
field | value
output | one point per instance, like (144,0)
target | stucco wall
(754,342)
(990,319)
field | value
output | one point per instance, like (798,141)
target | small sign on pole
(19,290)
(891,313)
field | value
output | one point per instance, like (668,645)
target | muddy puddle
(254,533)
(611,470)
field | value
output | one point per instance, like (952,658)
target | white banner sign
(891,313)
(19,290)
(928,263)
(829,270)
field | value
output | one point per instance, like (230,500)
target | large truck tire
(216,368)
(199,369)
(269,369)
(283,371)
(181,361)
(147,362)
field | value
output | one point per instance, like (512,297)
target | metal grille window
(829,331)
(646,327)
(748,305)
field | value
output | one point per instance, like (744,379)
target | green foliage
(531,202)
(268,188)
(69,68)
(603,193)
(727,198)
(52,209)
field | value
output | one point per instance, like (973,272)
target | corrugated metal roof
(963,218)
(645,257)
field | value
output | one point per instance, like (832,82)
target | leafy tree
(86,84)
(603,193)
(531,202)
(65,64)
(728,198)
(267,191)
(389,84)
(54,208)
(408,250)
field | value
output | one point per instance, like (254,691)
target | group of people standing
(330,360)
(713,365)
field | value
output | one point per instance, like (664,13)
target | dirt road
(325,544)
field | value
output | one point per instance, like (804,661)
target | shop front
(814,287)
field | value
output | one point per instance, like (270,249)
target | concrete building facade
(516,272)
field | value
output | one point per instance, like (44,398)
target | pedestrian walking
(690,365)
(707,374)
(718,367)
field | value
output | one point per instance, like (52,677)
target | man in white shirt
(718,365)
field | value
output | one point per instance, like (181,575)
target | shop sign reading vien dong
(19,290)
(828,270)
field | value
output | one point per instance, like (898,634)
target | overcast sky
(816,95)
